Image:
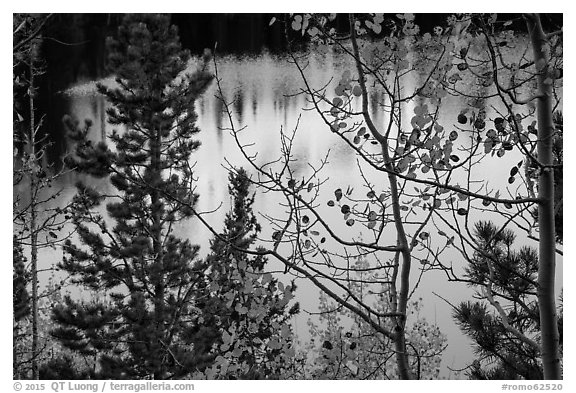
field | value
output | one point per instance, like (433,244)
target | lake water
(263,91)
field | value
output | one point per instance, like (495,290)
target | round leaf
(338,194)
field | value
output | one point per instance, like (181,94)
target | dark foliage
(20,280)
(62,368)
(144,275)
(509,275)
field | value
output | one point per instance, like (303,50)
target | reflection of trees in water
(238,103)
(254,102)
(218,113)
(262,93)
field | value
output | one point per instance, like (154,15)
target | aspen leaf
(479,124)
(226,337)
(338,194)
(237,352)
(276,235)
(352,367)
(327,345)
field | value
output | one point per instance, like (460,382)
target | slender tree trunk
(33,224)
(547,254)
(401,297)
(406,257)
(155,164)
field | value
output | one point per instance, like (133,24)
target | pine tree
(62,367)
(249,305)
(21,307)
(146,276)
(505,326)
(20,280)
